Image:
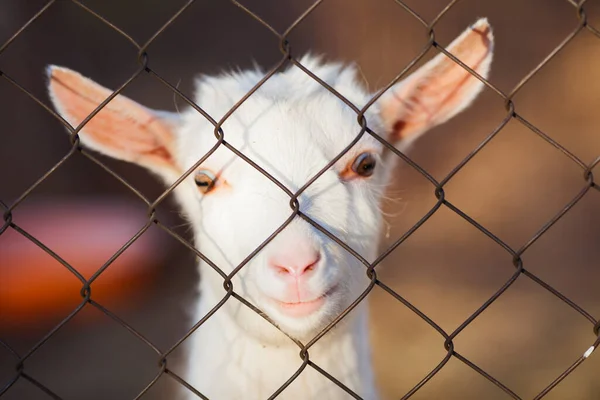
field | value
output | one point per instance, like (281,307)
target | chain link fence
(288,58)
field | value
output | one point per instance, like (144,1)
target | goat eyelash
(205,180)
(355,169)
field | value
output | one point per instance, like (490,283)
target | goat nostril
(281,270)
(313,265)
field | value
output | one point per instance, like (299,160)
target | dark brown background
(447,268)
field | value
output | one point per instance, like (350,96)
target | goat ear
(123,129)
(440,89)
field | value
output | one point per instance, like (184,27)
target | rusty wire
(438,191)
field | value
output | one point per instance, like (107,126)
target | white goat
(291,127)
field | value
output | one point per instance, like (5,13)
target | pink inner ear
(441,88)
(434,100)
(122,129)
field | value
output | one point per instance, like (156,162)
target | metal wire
(287,58)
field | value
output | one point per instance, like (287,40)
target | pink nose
(298,263)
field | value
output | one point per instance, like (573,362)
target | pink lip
(301,309)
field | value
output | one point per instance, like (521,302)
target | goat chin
(227,360)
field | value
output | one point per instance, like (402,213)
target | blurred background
(447,268)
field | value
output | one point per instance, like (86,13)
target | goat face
(291,128)
(301,278)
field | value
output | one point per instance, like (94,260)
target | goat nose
(295,264)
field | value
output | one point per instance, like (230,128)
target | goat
(291,127)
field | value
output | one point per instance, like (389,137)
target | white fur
(291,127)
(290,112)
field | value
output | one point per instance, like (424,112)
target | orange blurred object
(86,235)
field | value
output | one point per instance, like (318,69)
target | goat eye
(364,164)
(205,180)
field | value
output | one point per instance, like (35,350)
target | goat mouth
(303,308)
